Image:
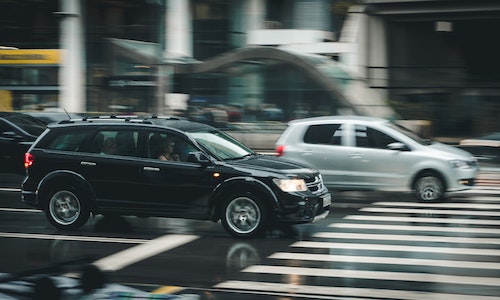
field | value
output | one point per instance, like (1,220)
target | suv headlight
(460,164)
(291,185)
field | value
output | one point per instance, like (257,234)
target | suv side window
(327,134)
(156,142)
(116,142)
(368,137)
(68,141)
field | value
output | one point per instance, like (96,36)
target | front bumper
(307,210)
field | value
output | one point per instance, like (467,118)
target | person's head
(109,146)
(168,145)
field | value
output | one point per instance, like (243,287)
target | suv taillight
(28,159)
(280,150)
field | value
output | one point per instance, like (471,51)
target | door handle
(355,155)
(87,163)
(151,169)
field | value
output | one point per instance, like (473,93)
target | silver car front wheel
(429,188)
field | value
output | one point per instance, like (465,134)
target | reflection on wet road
(372,246)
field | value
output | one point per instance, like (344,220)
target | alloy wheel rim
(64,207)
(243,215)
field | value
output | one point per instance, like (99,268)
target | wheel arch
(64,178)
(241,184)
(427,171)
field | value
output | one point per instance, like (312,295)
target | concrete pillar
(72,71)
(179,31)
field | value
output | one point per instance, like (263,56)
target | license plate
(327,200)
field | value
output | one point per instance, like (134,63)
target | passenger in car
(168,151)
(109,146)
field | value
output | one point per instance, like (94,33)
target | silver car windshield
(411,134)
(221,145)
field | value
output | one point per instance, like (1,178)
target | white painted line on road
(387,260)
(137,253)
(375,275)
(21,210)
(401,248)
(416,228)
(71,238)
(423,220)
(10,189)
(330,292)
(431,211)
(411,238)
(441,205)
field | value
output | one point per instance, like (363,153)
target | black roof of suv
(72,173)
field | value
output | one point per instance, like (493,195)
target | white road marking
(423,220)
(441,205)
(329,292)
(10,189)
(377,275)
(430,211)
(21,210)
(71,238)
(137,253)
(411,238)
(387,260)
(401,248)
(416,228)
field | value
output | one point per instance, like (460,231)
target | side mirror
(398,146)
(199,158)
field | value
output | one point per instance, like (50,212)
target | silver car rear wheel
(66,210)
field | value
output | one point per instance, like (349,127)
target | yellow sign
(30,57)
(5,100)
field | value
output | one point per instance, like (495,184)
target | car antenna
(69,117)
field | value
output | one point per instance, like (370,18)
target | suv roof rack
(124,118)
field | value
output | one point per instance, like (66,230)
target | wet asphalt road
(372,246)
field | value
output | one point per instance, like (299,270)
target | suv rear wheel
(244,215)
(429,187)
(66,209)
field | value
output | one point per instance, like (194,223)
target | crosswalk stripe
(431,211)
(416,228)
(318,291)
(423,220)
(400,248)
(441,205)
(413,238)
(387,260)
(378,275)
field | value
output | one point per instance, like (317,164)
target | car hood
(273,164)
(437,146)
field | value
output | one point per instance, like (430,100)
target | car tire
(244,215)
(429,188)
(66,208)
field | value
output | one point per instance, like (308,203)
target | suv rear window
(70,141)
(329,134)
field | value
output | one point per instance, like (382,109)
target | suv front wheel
(244,215)
(66,209)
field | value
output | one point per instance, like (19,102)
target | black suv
(213,177)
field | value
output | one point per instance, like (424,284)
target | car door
(374,165)
(13,145)
(324,147)
(175,187)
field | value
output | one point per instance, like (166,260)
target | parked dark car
(486,148)
(52,116)
(213,177)
(17,132)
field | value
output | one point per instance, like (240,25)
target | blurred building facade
(257,60)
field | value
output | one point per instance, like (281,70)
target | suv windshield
(221,145)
